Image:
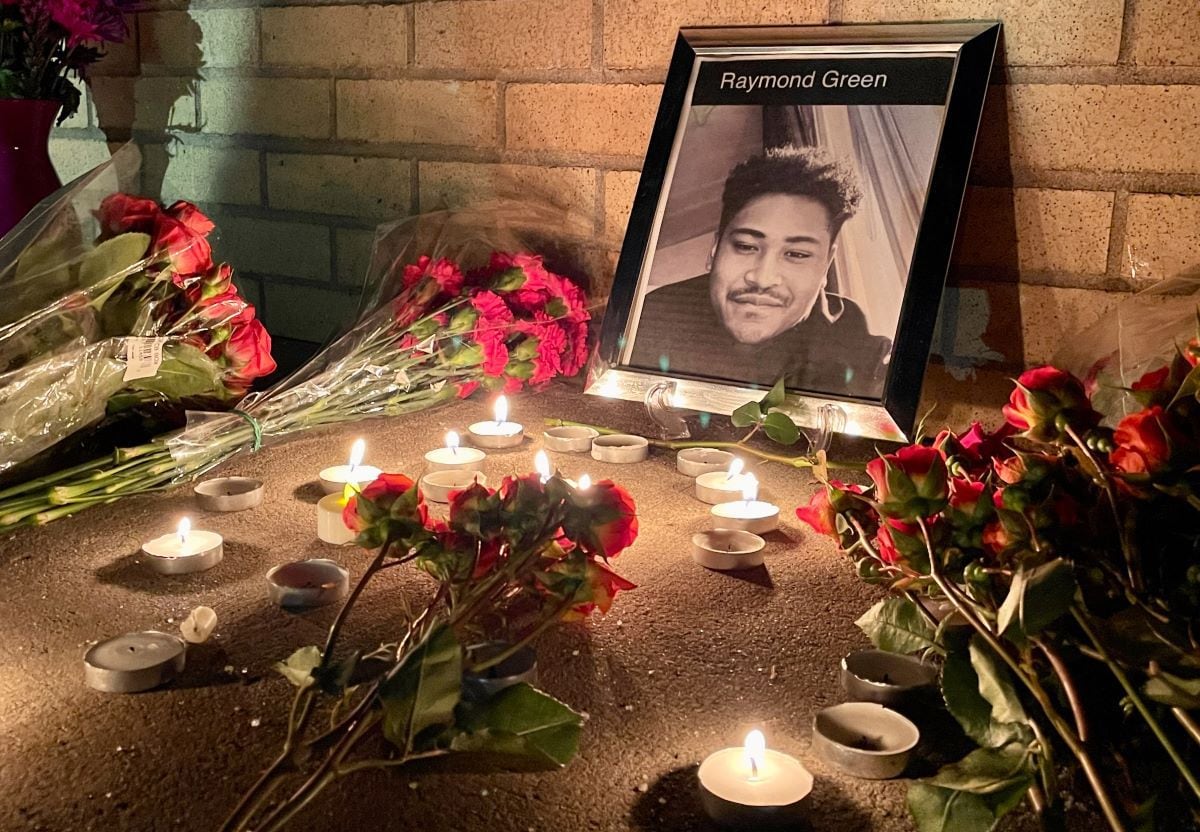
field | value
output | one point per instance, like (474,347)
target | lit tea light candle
(498,433)
(749,514)
(186,550)
(454,458)
(585,482)
(330,526)
(541,464)
(718,487)
(754,787)
(334,479)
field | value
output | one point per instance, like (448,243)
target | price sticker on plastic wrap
(143,357)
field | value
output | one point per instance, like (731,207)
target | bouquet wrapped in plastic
(480,311)
(114,304)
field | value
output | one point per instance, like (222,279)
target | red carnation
(444,272)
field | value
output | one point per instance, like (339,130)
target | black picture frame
(971,46)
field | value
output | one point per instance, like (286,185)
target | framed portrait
(794,219)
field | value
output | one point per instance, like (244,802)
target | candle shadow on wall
(131,572)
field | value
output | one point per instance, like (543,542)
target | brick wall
(300,127)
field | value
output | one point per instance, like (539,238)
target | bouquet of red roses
(140,318)
(504,325)
(1054,566)
(509,564)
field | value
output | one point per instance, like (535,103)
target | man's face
(769,265)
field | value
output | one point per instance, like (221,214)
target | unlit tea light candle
(620,448)
(229,493)
(452,457)
(575,439)
(185,550)
(754,787)
(498,433)
(330,526)
(697,461)
(134,662)
(334,479)
(749,513)
(727,549)
(716,487)
(437,486)
(308,583)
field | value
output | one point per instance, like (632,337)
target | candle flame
(350,489)
(735,468)
(750,489)
(185,526)
(755,748)
(357,451)
(452,441)
(501,410)
(585,482)
(541,464)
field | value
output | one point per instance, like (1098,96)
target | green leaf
(185,372)
(522,722)
(424,690)
(746,415)
(973,793)
(944,810)
(1037,598)
(299,666)
(781,428)
(115,256)
(995,685)
(896,625)
(774,397)
(987,770)
(1173,690)
(960,689)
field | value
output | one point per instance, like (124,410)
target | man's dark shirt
(840,358)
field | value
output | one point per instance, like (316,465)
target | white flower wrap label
(143,357)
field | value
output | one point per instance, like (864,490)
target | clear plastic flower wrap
(1131,340)
(113,304)
(489,309)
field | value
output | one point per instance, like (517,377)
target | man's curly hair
(793,171)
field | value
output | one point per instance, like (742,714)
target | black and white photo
(778,236)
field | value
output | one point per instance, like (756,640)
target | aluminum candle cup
(521,666)
(887,678)
(754,516)
(696,461)
(454,458)
(308,583)
(330,526)
(229,493)
(620,447)
(134,662)
(438,485)
(727,549)
(754,787)
(184,551)
(496,434)
(569,439)
(864,739)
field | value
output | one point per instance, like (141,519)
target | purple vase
(27,175)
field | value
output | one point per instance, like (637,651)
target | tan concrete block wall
(303,126)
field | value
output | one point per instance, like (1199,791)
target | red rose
(249,351)
(886,539)
(1010,470)
(1191,351)
(192,218)
(600,587)
(188,252)
(122,213)
(910,483)
(996,537)
(617,512)
(389,505)
(821,513)
(965,494)
(1144,442)
(1046,402)
(1154,381)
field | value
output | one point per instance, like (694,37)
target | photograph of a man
(766,309)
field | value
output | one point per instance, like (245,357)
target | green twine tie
(254,426)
